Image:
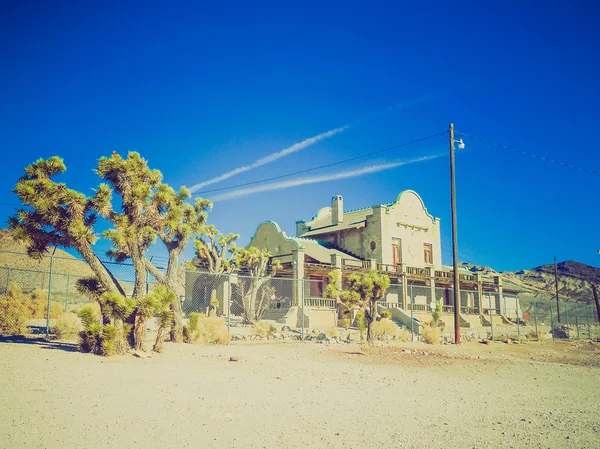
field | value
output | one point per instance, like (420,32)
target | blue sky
(200,89)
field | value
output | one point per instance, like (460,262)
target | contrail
(316,179)
(271,157)
(306,143)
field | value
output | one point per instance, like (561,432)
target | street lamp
(461,145)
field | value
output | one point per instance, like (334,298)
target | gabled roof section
(316,249)
(353,219)
(320,251)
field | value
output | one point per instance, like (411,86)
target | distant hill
(575,279)
(14,255)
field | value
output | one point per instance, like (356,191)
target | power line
(412,142)
(526,153)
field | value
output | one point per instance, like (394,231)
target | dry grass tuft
(213,331)
(385,328)
(431,335)
(14,313)
(67,327)
(404,335)
(263,328)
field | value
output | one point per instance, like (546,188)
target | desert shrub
(38,305)
(431,335)
(386,314)
(436,314)
(190,331)
(14,314)
(361,323)
(404,335)
(212,330)
(263,328)
(540,335)
(385,327)
(66,327)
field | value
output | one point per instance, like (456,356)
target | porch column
(404,286)
(479,292)
(498,282)
(336,264)
(298,264)
(432,286)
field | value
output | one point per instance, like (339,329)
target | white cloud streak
(271,157)
(317,179)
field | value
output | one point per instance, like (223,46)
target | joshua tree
(164,299)
(175,223)
(215,251)
(257,297)
(57,216)
(364,291)
(54,215)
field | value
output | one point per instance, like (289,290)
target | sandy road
(291,395)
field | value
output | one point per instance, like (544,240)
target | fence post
(412,321)
(535,319)
(67,292)
(302,296)
(577,320)
(551,320)
(491,313)
(518,319)
(229,308)
(587,314)
(7,279)
(567,318)
(49,294)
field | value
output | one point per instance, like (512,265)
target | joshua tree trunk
(105,277)
(370,315)
(177,325)
(160,339)
(121,342)
(139,333)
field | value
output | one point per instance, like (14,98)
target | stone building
(400,238)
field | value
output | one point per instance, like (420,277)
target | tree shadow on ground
(42,342)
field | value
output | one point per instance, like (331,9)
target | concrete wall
(408,220)
(320,318)
(269,236)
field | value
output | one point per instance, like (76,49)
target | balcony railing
(422,272)
(353,264)
(426,272)
(319,302)
(388,268)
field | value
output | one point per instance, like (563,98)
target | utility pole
(595,290)
(556,286)
(454,240)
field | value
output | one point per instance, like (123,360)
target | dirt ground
(297,395)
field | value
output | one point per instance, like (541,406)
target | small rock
(140,355)
(235,358)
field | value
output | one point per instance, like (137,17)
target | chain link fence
(48,291)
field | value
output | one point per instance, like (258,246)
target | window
(428,253)
(396,252)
